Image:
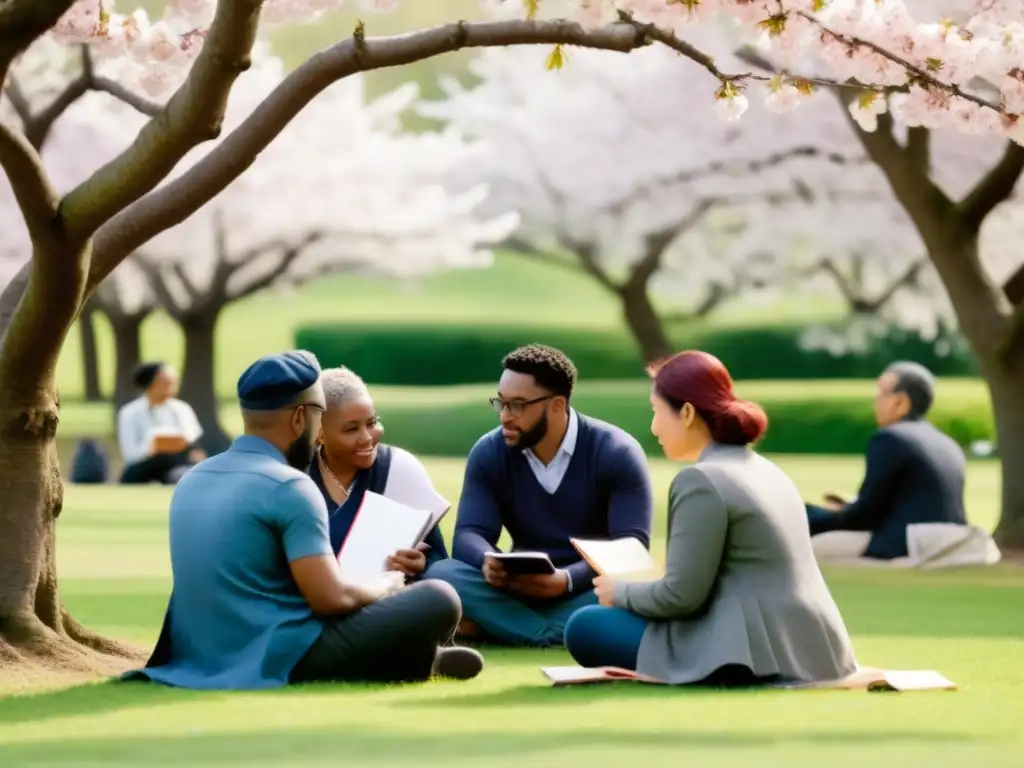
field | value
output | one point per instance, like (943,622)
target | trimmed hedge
(442,355)
(804,417)
(827,417)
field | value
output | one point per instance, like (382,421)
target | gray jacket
(741,584)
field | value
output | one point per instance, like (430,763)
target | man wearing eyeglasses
(259,599)
(545,475)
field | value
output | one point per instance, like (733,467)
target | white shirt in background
(138,422)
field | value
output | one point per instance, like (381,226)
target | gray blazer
(741,584)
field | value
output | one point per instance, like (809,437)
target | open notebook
(865,679)
(623,559)
(380,528)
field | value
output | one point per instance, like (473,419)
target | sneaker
(458,663)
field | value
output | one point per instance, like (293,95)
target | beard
(530,437)
(300,452)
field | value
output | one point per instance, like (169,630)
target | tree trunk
(982,324)
(643,322)
(198,386)
(90,355)
(1007,390)
(127,329)
(37,636)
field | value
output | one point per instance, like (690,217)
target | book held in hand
(625,558)
(381,527)
(524,563)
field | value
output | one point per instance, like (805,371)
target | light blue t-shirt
(236,617)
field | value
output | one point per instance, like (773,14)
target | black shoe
(458,663)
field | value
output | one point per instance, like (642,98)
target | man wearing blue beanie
(259,599)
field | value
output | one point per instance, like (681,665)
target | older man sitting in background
(914,476)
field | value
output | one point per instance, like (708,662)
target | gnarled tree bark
(38,308)
(78,239)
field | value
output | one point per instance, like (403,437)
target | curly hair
(549,367)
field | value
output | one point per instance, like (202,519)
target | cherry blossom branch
(731,167)
(37,125)
(994,188)
(669,38)
(656,243)
(523,248)
(37,199)
(856,300)
(918,75)
(179,199)
(194,114)
(1013,288)
(289,254)
(24,21)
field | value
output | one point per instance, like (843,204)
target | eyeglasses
(515,407)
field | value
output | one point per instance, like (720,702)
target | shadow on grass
(116,695)
(344,746)
(91,699)
(547,695)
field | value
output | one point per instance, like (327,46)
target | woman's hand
(604,588)
(411,562)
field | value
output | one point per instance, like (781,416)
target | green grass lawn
(967,624)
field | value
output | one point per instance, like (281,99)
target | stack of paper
(381,527)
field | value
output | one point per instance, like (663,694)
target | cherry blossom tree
(908,75)
(643,188)
(80,236)
(343,190)
(928,75)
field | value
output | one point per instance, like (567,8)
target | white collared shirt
(550,475)
(137,422)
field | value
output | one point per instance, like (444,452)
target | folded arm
(699,523)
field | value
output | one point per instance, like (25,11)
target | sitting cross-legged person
(351,460)
(157,433)
(742,601)
(547,475)
(915,476)
(258,597)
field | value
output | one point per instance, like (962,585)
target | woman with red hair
(742,601)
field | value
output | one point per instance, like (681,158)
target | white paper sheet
(381,527)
